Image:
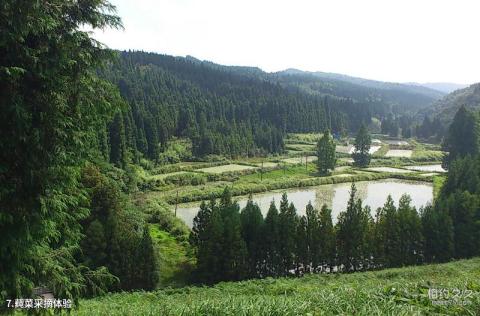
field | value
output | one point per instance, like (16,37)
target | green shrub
(186,179)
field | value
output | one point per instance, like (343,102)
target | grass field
(402,291)
(437,184)
(174,262)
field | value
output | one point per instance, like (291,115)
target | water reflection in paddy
(432,168)
(373,193)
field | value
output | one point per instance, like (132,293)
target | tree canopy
(326,153)
(52,104)
(361,154)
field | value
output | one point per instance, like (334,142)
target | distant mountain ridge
(407,96)
(442,87)
(446,87)
(418,88)
(446,107)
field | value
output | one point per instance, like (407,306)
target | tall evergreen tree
(463,136)
(118,149)
(94,245)
(313,237)
(302,247)
(389,237)
(287,226)
(437,228)
(252,226)
(234,252)
(410,233)
(271,244)
(210,267)
(352,231)
(148,276)
(200,223)
(112,236)
(361,154)
(326,153)
(52,105)
(462,208)
(327,248)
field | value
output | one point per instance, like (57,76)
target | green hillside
(233,111)
(446,107)
(402,291)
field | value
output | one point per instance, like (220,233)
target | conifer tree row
(287,244)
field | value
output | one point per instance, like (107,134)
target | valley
(134,182)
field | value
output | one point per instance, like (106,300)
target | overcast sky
(390,40)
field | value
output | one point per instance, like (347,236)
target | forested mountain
(445,108)
(227,110)
(236,110)
(399,97)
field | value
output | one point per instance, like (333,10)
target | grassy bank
(438,182)
(170,239)
(192,194)
(402,291)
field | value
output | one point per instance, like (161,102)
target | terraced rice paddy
(388,169)
(397,142)
(226,168)
(165,175)
(350,149)
(373,193)
(267,164)
(374,149)
(399,153)
(299,160)
(430,168)
(347,160)
(344,149)
(343,175)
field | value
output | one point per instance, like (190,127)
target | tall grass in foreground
(401,291)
